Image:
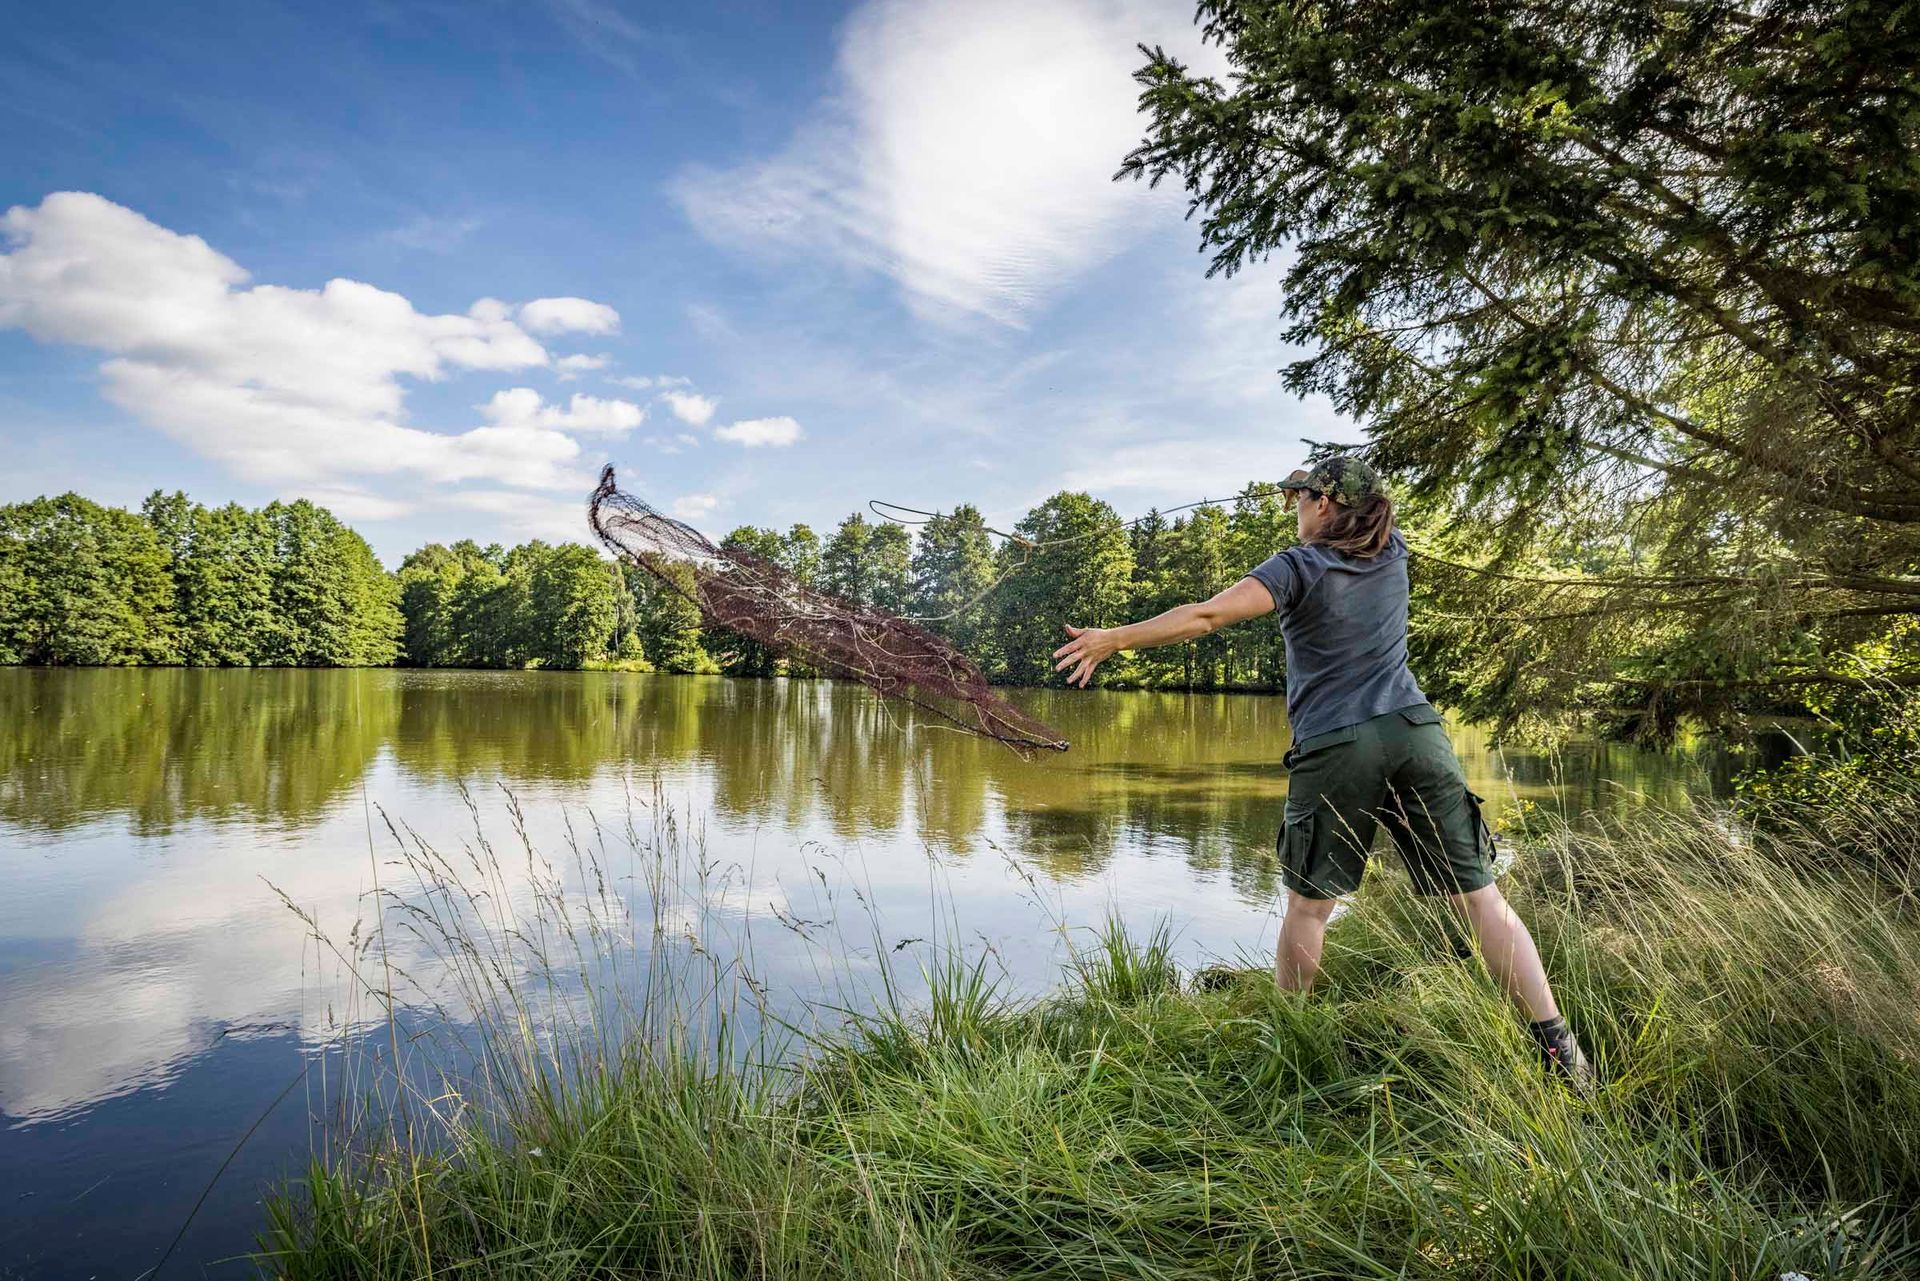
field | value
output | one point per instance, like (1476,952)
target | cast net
(736,589)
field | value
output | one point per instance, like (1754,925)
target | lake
(157,994)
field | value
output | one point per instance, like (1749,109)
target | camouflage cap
(1343,478)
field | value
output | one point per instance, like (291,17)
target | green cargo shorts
(1396,770)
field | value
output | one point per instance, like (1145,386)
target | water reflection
(143,814)
(164,748)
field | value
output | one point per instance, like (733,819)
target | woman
(1368,749)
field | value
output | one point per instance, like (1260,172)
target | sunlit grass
(638,1110)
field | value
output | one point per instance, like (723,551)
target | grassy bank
(1754,1009)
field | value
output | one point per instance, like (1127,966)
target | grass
(1753,1005)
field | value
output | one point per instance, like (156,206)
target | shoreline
(1757,1115)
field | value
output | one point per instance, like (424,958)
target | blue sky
(432,264)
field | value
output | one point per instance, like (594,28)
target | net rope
(765,601)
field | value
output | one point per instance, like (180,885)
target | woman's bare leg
(1514,962)
(1303,933)
(1508,950)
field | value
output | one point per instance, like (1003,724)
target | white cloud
(287,387)
(574,366)
(690,407)
(642,382)
(693,506)
(355,504)
(1208,468)
(968,150)
(522,408)
(602,29)
(678,443)
(518,515)
(433,235)
(569,316)
(774,433)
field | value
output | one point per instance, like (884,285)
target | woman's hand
(1089,647)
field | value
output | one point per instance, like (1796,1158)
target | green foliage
(83,584)
(290,585)
(13,599)
(429,580)
(182,583)
(1190,559)
(572,600)
(1258,526)
(626,612)
(1069,562)
(559,607)
(848,567)
(1618,275)
(670,626)
(1868,735)
(742,655)
(801,554)
(490,610)
(952,568)
(224,571)
(890,549)
(335,605)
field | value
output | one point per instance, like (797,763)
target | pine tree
(847,567)
(429,580)
(1587,267)
(626,615)
(890,549)
(1151,591)
(337,606)
(953,566)
(1258,527)
(13,593)
(1079,570)
(1196,568)
(223,574)
(801,554)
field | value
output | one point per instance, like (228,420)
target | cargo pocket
(1296,844)
(1482,834)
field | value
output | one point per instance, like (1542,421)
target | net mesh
(734,588)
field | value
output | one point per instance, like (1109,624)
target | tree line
(1072,559)
(180,583)
(288,584)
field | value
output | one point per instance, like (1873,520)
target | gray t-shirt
(1345,624)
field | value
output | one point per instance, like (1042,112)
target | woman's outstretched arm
(1092,646)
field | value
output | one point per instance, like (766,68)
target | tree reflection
(543,726)
(1193,776)
(163,746)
